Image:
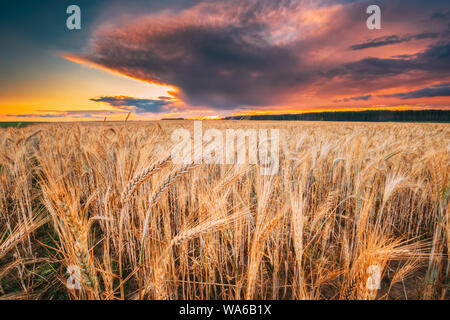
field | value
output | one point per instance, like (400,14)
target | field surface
(99,211)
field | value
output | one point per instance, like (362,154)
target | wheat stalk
(203,228)
(170,179)
(20,233)
(256,253)
(143,176)
(208,226)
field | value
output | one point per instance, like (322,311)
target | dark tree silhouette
(364,116)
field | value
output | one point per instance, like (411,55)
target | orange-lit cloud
(289,55)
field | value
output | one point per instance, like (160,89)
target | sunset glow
(209,60)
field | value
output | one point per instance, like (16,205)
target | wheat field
(98,211)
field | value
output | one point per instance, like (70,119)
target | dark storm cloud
(222,64)
(139,105)
(211,65)
(394,39)
(442,90)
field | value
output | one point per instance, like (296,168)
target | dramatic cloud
(224,55)
(388,40)
(442,90)
(262,53)
(136,104)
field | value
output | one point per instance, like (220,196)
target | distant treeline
(15,124)
(373,116)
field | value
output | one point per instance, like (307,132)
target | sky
(157,59)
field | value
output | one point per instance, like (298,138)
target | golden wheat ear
(170,179)
(143,176)
(21,231)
